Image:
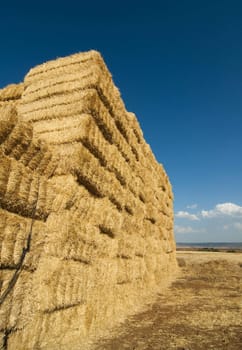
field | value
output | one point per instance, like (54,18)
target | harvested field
(201,310)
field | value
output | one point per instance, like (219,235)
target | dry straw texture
(86,212)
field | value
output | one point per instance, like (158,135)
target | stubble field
(202,309)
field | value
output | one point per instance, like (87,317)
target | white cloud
(208,213)
(229,209)
(192,206)
(223,209)
(183,229)
(238,225)
(186,229)
(186,215)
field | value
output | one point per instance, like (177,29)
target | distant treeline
(211,246)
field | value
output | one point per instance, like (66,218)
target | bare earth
(201,310)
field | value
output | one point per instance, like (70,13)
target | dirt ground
(201,310)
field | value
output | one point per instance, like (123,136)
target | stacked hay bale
(11,93)
(86,218)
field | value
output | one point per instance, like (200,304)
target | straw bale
(12,92)
(20,189)
(132,226)
(95,70)
(54,89)
(55,107)
(110,157)
(2,337)
(99,182)
(21,297)
(63,84)
(46,163)
(19,138)
(106,208)
(60,284)
(151,212)
(50,68)
(17,308)
(56,330)
(107,160)
(38,157)
(69,133)
(33,149)
(36,245)
(135,184)
(3,220)
(13,306)
(17,141)
(13,239)
(68,244)
(14,180)
(5,309)
(4,173)
(58,123)
(130,247)
(61,190)
(130,270)
(8,118)
(134,124)
(110,130)
(6,275)
(71,237)
(77,103)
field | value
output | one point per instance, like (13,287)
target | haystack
(86,211)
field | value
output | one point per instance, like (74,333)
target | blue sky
(178,65)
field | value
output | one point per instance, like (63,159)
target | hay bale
(86,212)
(8,118)
(11,92)
(22,191)
(18,141)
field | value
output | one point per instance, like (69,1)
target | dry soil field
(201,310)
